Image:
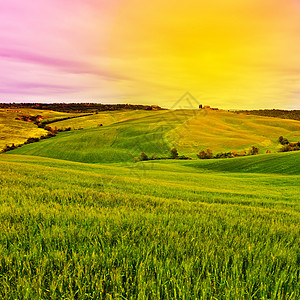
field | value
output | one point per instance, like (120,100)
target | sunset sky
(227,53)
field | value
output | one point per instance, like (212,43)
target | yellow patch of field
(16,132)
(226,131)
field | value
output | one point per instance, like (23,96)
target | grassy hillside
(125,135)
(154,230)
(277,163)
(117,142)
(17,131)
(105,118)
(226,131)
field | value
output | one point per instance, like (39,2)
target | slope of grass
(17,131)
(277,163)
(120,141)
(154,230)
(126,134)
(105,118)
(226,131)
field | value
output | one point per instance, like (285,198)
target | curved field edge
(14,131)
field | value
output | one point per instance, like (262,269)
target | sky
(227,53)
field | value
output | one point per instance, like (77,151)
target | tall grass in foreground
(160,231)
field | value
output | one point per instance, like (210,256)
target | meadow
(81,225)
(124,135)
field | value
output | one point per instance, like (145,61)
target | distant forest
(78,107)
(276,113)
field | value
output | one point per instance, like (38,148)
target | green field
(81,220)
(124,135)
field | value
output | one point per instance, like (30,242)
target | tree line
(78,107)
(275,113)
(173,155)
(208,154)
(203,154)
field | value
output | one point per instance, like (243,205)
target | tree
(144,156)
(205,155)
(283,141)
(202,154)
(209,153)
(253,150)
(174,153)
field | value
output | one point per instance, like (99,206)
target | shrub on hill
(205,154)
(285,148)
(253,150)
(202,154)
(288,146)
(225,155)
(27,118)
(144,156)
(174,153)
(283,141)
(9,148)
(31,140)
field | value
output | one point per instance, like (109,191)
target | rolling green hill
(80,220)
(124,135)
(277,163)
(153,230)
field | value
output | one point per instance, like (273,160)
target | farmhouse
(207,107)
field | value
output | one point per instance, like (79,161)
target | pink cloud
(49,46)
(70,66)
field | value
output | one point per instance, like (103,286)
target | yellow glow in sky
(227,53)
